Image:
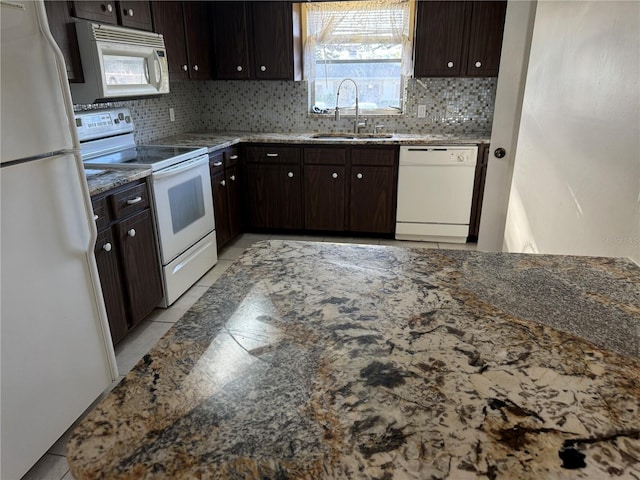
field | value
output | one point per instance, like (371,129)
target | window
(366,41)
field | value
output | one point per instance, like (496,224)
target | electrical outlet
(172,115)
(422,111)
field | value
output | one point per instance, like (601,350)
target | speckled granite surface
(217,140)
(329,361)
(100,181)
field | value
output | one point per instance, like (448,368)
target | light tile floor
(53,465)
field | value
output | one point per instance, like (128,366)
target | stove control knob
(116,121)
(127,119)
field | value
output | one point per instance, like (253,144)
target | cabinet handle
(217,164)
(223,183)
(290,174)
(232,178)
(195,67)
(96,217)
(233,157)
(478,64)
(185,68)
(107,247)
(107,7)
(128,12)
(272,154)
(263,68)
(334,175)
(359,175)
(239,68)
(450,64)
(133,201)
(132,232)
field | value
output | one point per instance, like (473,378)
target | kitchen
(220,105)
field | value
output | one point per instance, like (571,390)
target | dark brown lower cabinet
(373,186)
(107,259)
(478,191)
(220,209)
(337,189)
(274,196)
(324,197)
(127,256)
(136,239)
(225,187)
(373,199)
(234,199)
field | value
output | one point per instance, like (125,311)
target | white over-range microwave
(119,63)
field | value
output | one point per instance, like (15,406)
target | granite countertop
(218,140)
(100,181)
(333,361)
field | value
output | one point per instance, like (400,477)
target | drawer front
(325,156)
(272,154)
(216,163)
(101,213)
(231,157)
(129,200)
(383,157)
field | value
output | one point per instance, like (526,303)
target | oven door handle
(181,167)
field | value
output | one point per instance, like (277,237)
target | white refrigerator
(56,355)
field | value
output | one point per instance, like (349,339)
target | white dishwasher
(435,189)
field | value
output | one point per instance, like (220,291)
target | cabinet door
(103,11)
(63,30)
(111,282)
(478,191)
(373,197)
(273,40)
(135,14)
(274,196)
(324,197)
(167,20)
(137,241)
(231,42)
(233,200)
(288,189)
(485,38)
(197,23)
(439,39)
(220,209)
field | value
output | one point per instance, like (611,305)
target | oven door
(184,206)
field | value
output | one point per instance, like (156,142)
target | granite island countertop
(218,140)
(333,361)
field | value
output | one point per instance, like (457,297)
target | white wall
(576,178)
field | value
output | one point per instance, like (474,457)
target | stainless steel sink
(374,135)
(333,135)
(344,135)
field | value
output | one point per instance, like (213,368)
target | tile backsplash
(453,106)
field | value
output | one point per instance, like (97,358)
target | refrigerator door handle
(86,197)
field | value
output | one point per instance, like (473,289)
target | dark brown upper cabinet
(63,30)
(458,38)
(231,40)
(185,27)
(197,24)
(257,40)
(135,14)
(128,13)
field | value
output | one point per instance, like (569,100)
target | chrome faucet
(356,122)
